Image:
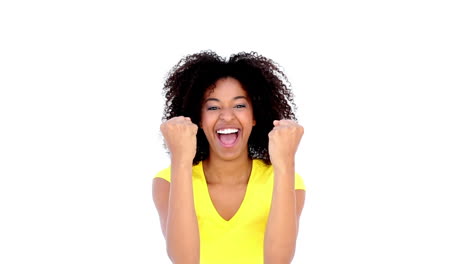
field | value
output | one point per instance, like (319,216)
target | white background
(381,89)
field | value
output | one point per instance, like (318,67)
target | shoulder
(264,172)
(164,174)
(299,182)
(197,172)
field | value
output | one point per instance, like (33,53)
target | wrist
(284,167)
(181,157)
(177,163)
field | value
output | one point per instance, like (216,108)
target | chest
(227,199)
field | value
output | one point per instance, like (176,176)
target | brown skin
(227,106)
(175,201)
(287,203)
(227,171)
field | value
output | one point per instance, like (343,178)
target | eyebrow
(217,100)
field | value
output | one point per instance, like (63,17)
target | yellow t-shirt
(240,239)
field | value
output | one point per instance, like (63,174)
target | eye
(240,106)
(212,108)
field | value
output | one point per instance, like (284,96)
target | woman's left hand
(284,140)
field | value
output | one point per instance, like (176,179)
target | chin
(229,155)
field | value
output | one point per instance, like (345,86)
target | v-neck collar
(244,203)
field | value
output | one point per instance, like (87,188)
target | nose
(226,114)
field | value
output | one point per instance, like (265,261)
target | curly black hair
(265,83)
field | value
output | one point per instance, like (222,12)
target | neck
(218,171)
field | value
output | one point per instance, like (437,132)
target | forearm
(183,240)
(281,230)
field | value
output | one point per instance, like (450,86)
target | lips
(228,136)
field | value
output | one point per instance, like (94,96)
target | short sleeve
(164,174)
(299,182)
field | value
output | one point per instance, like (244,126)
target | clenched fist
(284,140)
(180,137)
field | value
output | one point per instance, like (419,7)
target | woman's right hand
(180,135)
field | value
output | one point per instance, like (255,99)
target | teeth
(227,131)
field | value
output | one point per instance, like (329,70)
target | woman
(231,194)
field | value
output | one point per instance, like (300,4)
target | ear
(254,122)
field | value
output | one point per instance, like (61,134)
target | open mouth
(228,136)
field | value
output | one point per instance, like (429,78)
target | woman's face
(227,119)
